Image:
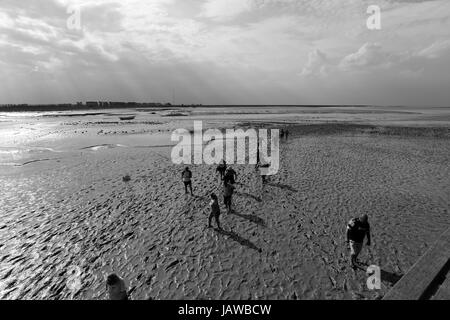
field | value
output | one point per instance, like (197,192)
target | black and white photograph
(240,151)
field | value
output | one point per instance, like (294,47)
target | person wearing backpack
(230,176)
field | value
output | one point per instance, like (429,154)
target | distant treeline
(80,106)
(121,105)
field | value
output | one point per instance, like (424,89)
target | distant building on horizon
(92,104)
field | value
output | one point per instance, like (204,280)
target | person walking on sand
(116,288)
(230,176)
(262,168)
(263,178)
(257,156)
(357,230)
(215,211)
(221,168)
(228,189)
(187,176)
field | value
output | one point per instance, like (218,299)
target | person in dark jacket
(186,175)
(228,190)
(230,176)
(221,168)
(215,211)
(357,230)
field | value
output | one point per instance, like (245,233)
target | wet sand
(285,240)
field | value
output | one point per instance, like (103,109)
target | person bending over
(357,230)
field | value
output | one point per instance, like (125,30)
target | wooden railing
(429,278)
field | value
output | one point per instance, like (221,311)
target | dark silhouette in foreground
(116,288)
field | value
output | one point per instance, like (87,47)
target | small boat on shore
(127,118)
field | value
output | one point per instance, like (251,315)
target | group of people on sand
(358,229)
(227,176)
(284,133)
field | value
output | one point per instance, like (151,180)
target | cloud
(373,56)
(436,50)
(225,9)
(101,17)
(373,60)
(221,50)
(368,56)
(316,64)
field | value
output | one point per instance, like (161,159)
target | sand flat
(284,241)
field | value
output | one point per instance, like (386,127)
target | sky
(225,52)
